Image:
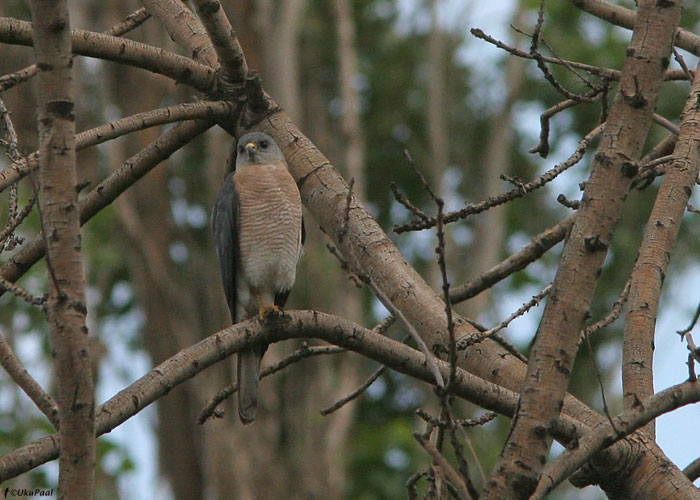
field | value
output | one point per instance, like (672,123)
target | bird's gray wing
(224,223)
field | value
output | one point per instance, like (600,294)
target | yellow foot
(268,310)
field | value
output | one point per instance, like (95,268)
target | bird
(259,232)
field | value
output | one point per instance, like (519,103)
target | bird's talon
(266,311)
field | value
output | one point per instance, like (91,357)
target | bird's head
(259,148)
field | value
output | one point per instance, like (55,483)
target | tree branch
(649,271)
(131,21)
(107,191)
(518,469)
(233,66)
(66,308)
(121,50)
(626,18)
(31,387)
(294,324)
(123,126)
(605,434)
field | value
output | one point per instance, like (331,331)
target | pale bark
(58,202)
(518,469)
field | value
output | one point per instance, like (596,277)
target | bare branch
(605,434)
(107,191)
(294,324)
(132,21)
(444,465)
(519,466)
(481,206)
(122,50)
(123,126)
(66,307)
(304,352)
(234,67)
(463,343)
(611,316)
(649,271)
(31,387)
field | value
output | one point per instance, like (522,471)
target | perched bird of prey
(258,227)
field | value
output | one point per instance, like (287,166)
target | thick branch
(655,254)
(626,18)
(518,469)
(184,28)
(233,65)
(604,434)
(121,50)
(65,308)
(295,324)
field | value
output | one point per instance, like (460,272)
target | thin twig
(591,355)
(469,340)
(356,393)
(444,466)
(493,201)
(693,322)
(611,316)
(303,352)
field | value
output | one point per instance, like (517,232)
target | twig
(611,74)
(20,292)
(469,340)
(401,198)
(481,206)
(396,312)
(542,147)
(8,239)
(693,322)
(591,355)
(413,480)
(572,204)
(356,393)
(678,57)
(302,353)
(548,75)
(612,315)
(440,250)
(31,387)
(444,466)
(516,262)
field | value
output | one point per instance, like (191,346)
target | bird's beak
(250,150)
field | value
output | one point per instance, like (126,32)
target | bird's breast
(270,226)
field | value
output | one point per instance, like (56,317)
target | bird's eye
(264,143)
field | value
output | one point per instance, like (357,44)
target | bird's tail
(248,384)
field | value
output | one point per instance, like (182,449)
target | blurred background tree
(366,80)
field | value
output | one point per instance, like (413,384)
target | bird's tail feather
(248,384)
